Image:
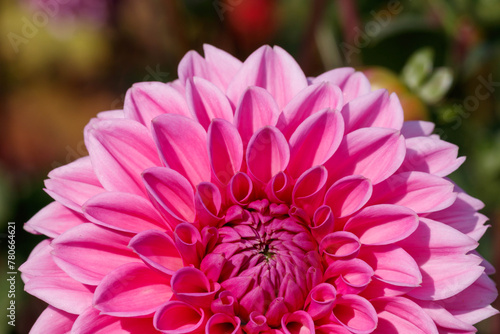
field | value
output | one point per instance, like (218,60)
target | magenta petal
(226,303)
(348,195)
(188,242)
(123,212)
(146,100)
(267,154)
(332,329)
(225,150)
(172,193)
(339,245)
(375,109)
(392,265)
(240,189)
(375,153)
(40,262)
(53,321)
(104,251)
(72,184)
(176,317)
(310,189)
(314,141)
(158,250)
(309,101)
(54,219)
(208,201)
(178,150)
(107,140)
(279,189)
(132,290)
(412,129)
(418,191)
(356,85)
(270,68)
(221,323)
(91,322)
(431,155)
(337,76)
(322,223)
(192,64)
(443,318)
(190,285)
(382,224)
(256,109)
(349,276)
(223,65)
(321,300)
(257,324)
(277,309)
(401,315)
(298,322)
(207,102)
(356,314)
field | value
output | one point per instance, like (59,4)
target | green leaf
(437,86)
(418,68)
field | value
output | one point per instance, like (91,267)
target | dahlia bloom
(247,198)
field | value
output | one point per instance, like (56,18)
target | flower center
(271,259)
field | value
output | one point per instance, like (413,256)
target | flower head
(247,198)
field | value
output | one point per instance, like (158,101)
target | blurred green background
(61,65)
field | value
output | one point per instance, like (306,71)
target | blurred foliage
(441,57)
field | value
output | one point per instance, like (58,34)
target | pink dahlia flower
(247,198)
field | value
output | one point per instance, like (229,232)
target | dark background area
(62,64)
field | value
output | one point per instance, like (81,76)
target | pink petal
(270,68)
(111,114)
(298,322)
(349,276)
(443,318)
(107,140)
(332,329)
(188,242)
(375,109)
(339,245)
(374,153)
(190,285)
(382,224)
(356,85)
(417,128)
(392,265)
(72,184)
(225,150)
(207,102)
(146,100)
(104,251)
(348,195)
(307,102)
(91,322)
(314,141)
(268,153)
(192,64)
(418,191)
(208,202)
(322,223)
(401,315)
(355,313)
(132,290)
(431,155)
(226,303)
(221,323)
(158,250)
(310,189)
(172,193)
(179,151)
(223,65)
(40,262)
(53,321)
(321,300)
(277,309)
(257,324)
(240,189)
(256,109)
(54,219)
(176,317)
(337,76)
(280,188)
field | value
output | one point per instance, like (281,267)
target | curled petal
(225,150)
(177,317)
(193,287)
(356,314)
(158,250)
(208,203)
(257,324)
(188,242)
(279,189)
(349,276)
(321,301)
(226,303)
(348,195)
(267,154)
(298,322)
(340,245)
(310,189)
(322,222)
(240,189)
(221,323)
